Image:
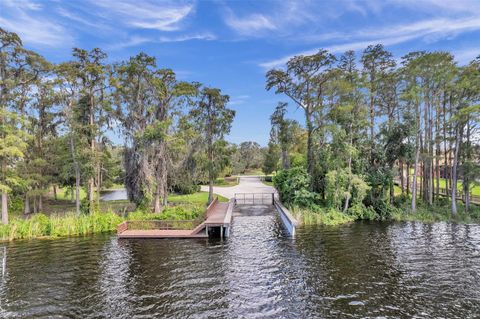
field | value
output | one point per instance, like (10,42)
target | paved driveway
(248,184)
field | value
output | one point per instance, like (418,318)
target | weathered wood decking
(218,214)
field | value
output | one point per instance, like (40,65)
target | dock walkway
(218,215)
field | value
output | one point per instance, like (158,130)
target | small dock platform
(218,217)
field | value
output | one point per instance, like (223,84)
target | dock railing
(158,225)
(254,198)
(287,218)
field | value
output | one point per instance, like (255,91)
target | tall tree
(146,98)
(304,81)
(213,119)
(376,63)
(91,73)
(282,132)
(18,69)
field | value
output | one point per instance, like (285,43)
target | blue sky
(231,44)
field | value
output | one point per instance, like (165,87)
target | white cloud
(138,40)
(130,42)
(163,16)
(249,25)
(464,56)
(26,19)
(23,4)
(463,6)
(238,100)
(430,30)
(74,17)
(182,38)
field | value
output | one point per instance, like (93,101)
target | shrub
(321,216)
(71,224)
(185,188)
(292,185)
(382,208)
(268,178)
(341,185)
(170,213)
(359,211)
(15,204)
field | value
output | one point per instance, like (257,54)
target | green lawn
(253,172)
(226,182)
(475,190)
(196,198)
(64,193)
(268,183)
(63,204)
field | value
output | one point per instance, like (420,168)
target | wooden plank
(155,233)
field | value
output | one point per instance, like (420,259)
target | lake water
(369,270)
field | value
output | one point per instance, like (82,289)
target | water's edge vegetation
(71,224)
(310,209)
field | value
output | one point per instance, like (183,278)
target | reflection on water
(397,270)
(116,194)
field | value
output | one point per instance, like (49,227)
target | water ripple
(370,270)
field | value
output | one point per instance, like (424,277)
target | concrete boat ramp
(218,216)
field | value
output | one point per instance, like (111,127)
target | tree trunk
(392,189)
(77,176)
(4,208)
(160,176)
(402,177)
(466,174)
(40,203)
(77,190)
(55,192)
(157,208)
(415,173)
(408,178)
(310,154)
(458,137)
(99,185)
(372,114)
(285,159)
(26,206)
(446,165)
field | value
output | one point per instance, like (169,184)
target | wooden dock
(217,216)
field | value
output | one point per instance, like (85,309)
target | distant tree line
(372,122)
(57,122)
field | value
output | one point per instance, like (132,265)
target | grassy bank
(226,181)
(195,198)
(60,206)
(184,207)
(69,224)
(424,213)
(437,213)
(329,217)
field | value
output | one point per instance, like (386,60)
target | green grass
(268,183)
(63,205)
(442,182)
(63,193)
(199,198)
(253,172)
(226,182)
(70,224)
(475,190)
(330,217)
(437,213)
